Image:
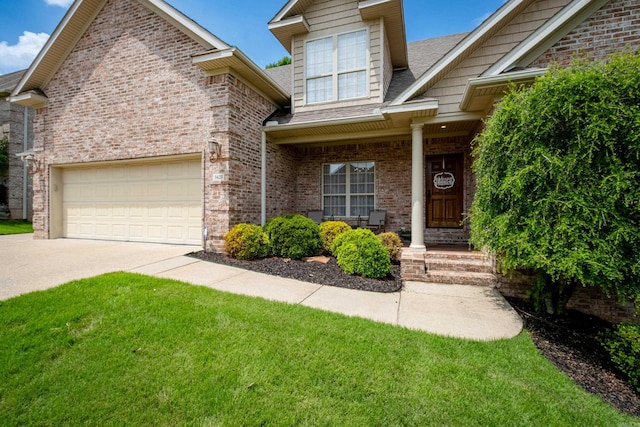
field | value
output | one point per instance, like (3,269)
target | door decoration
(444,180)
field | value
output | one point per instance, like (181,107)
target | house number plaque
(444,180)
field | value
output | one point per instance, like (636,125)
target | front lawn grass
(15,227)
(126,349)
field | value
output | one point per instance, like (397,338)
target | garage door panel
(158,202)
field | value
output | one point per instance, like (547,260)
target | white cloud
(61,3)
(19,56)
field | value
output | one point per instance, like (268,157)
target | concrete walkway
(471,312)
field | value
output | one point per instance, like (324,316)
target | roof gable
(571,14)
(83,13)
(290,21)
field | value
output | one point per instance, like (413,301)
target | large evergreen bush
(361,252)
(293,236)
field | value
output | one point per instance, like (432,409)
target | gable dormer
(343,51)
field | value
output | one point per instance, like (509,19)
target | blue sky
(26,24)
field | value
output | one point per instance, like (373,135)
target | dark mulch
(322,274)
(568,342)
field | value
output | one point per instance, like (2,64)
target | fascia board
(547,35)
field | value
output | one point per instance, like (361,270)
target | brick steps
(462,267)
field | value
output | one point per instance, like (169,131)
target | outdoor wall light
(215,149)
(30,161)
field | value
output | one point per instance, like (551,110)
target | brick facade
(392,181)
(12,119)
(613,28)
(129,90)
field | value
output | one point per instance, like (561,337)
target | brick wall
(614,28)
(589,300)
(392,181)
(12,126)
(128,89)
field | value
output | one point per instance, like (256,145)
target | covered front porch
(416,169)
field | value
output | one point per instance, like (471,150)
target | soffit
(221,61)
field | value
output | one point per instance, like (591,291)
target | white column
(417,187)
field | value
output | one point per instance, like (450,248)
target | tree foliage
(558,170)
(4,154)
(286,60)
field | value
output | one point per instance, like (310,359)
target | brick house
(150,128)
(16,191)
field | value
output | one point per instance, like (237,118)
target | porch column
(417,187)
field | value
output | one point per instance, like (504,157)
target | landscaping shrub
(361,252)
(293,236)
(623,345)
(246,241)
(329,230)
(391,241)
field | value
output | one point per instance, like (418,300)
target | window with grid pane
(336,67)
(348,189)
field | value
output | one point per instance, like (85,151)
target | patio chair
(315,215)
(376,221)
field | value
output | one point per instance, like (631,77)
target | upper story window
(336,67)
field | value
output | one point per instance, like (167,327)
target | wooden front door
(444,190)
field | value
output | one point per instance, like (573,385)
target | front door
(444,190)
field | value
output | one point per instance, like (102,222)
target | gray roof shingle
(8,82)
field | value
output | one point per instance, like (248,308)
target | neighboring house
(16,190)
(129,93)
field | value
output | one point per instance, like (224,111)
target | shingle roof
(9,81)
(282,75)
(422,55)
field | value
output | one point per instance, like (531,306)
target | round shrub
(329,230)
(391,241)
(246,241)
(293,236)
(361,252)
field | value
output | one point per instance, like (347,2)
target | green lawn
(125,349)
(15,227)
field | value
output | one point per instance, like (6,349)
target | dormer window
(336,67)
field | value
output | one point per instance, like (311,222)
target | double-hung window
(336,67)
(348,189)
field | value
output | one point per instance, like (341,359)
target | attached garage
(151,201)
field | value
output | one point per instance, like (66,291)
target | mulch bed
(322,274)
(569,342)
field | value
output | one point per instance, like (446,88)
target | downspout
(263,180)
(25,175)
(263,170)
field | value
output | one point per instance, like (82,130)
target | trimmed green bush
(246,241)
(392,243)
(329,230)
(293,236)
(623,345)
(361,252)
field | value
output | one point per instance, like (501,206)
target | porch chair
(376,221)
(315,215)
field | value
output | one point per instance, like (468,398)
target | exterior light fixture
(443,127)
(30,161)
(215,149)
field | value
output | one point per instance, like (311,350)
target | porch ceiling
(371,128)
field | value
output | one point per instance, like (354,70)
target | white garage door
(151,202)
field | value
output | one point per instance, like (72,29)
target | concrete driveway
(463,311)
(29,265)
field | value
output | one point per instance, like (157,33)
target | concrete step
(470,265)
(452,254)
(461,278)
